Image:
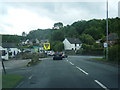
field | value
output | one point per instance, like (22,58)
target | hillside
(95,27)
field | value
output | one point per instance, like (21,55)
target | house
(44,41)
(27,42)
(112,39)
(72,44)
(11,48)
(3,53)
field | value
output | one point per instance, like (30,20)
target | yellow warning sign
(46,46)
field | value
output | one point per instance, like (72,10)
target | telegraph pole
(107,30)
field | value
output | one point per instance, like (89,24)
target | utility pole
(107,30)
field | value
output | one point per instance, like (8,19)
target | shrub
(113,53)
(90,50)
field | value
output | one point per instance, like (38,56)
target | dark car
(57,56)
(64,55)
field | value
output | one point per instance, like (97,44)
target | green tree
(58,25)
(94,32)
(72,32)
(80,26)
(57,35)
(57,46)
(86,38)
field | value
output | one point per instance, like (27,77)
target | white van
(4,54)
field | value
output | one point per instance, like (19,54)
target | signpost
(3,67)
(105,49)
(46,46)
(105,45)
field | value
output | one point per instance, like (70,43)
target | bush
(90,50)
(87,48)
(80,51)
(113,53)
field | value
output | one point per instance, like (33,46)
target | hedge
(114,53)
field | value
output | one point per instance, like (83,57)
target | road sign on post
(46,46)
(105,45)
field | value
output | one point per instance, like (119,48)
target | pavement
(12,64)
(72,72)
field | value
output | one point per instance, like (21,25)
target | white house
(72,44)
(11,48)
(3,53)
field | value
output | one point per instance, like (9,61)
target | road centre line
(101,85)
(82,70)
(19,84)
(71,63)
(30,77)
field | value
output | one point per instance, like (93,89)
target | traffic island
(35,58)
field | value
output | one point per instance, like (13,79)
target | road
(73,72)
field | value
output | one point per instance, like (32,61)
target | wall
(67,45)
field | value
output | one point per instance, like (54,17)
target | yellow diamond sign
(46,46)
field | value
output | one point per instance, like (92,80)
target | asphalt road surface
(72,72)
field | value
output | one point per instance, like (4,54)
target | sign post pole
(3,67)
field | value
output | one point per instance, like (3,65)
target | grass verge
(100,58)
(10,80)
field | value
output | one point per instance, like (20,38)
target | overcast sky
(16,17)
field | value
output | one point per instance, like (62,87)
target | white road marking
(19,85)
(101,85)
(82,70)
(30,77)
(71,63)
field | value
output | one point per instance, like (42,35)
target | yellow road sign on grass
(46,46)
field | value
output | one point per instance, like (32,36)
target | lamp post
(107,30)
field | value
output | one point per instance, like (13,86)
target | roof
(9,45)
(74,40)
(113,36)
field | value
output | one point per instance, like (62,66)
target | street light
(107,30)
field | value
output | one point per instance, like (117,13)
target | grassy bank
(10,80)
(99,58)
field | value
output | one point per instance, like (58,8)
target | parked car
(57,56)
(64,55)
(50,53)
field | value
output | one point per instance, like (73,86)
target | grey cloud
(66,12)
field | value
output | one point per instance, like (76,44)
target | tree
(72,32)
(86,38)
(80,26)
(57,36)
(94,32)
(24,34)
(58,46)
(58,25)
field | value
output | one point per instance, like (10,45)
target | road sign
(46,46)
(105,45)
